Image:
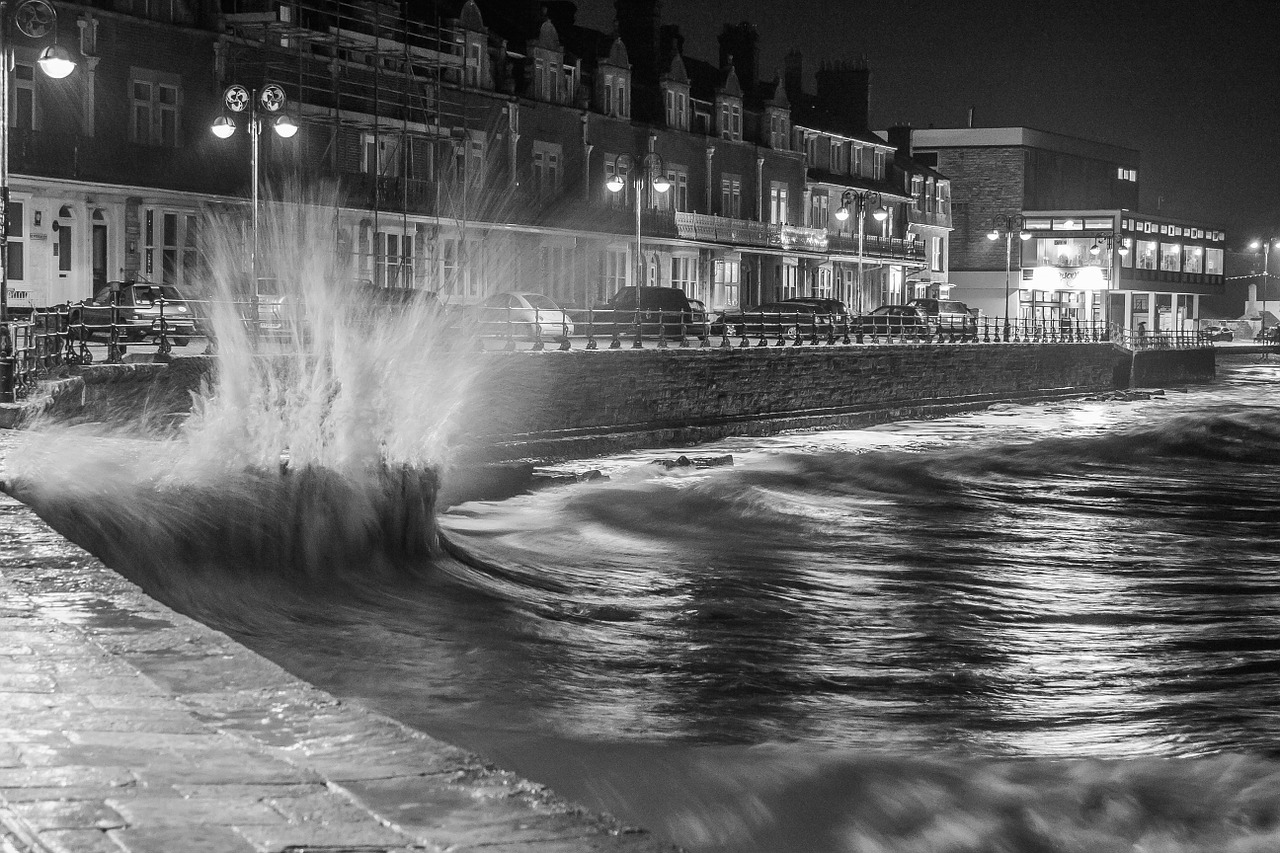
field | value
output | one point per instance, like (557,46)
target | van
(948,317)
(660,310)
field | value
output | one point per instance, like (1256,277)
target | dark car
(835,309)
(949,318)
(784,319)
(896,321)
(1218,333)
(134,308)
(664,311)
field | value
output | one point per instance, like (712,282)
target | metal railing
(59,337)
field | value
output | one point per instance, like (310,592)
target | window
(157,108)
(613,272)
(778,203)
(392,259)
(858,162)
(818,210)
(730,120)
(15,224)
(168,246)
(475,53)
(822,286)
(1213,261)
(779,133)
(380,154)
(1193,259)
(728,283)
(935,254)
(678,195)
(677,107)
(615,94)
(1171,257)
(839,157)
(546,167)
(543,79)
(684,273)
(877,168)
(24,97)
(1124,174)
(1145,256)
(615,199)
(731,196)
(790,279)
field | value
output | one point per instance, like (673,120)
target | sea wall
(578,402)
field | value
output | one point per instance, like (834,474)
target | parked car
(1218,333)
(665,310)
(135,309)
(833,308)
(892,321)
(949,317)
(523,315)
(703,319)
(785,319)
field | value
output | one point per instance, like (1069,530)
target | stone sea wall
(579,403)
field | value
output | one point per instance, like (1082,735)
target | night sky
(1193,86)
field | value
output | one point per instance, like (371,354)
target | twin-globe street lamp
(1008,225)
(261,105)
(34,19)
(1265,245)
(641,169)
(862,199)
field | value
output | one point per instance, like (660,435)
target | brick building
(1064,209)
(467,144)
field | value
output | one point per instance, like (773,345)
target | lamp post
(1265,245)
(34,19)
(641,170)
(862,199)
(1008,225)
(260,105)
(1121,245)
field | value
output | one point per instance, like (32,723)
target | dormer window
(779,131)
(676,103)
(473,71)
(730,119)
(614,94)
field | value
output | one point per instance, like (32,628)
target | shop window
(1213,261)
(1193,259)
(1170,257)
(1146,255)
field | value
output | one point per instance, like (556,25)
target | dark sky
(1193,86)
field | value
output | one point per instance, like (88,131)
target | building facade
(1047,229)
(465,148)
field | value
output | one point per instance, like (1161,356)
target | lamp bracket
(35,18)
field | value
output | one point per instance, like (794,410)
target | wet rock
(695,462)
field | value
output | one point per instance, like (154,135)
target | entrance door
(99,254)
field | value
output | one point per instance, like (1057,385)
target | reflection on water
(925,636)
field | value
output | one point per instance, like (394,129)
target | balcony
(747,233)
(874,246)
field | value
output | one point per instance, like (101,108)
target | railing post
(163,346)
(591,329)
(538,344)
(115,353)
(7,364)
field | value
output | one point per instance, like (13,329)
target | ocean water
(1052,627)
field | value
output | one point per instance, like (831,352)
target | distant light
(880,214)
(1095,249)
(223,127)
(614,184)
(56,61)
(1024,235)
(993,234)
(842,214)
(661,184)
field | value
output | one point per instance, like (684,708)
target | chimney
(900,138)
(742,43)
(793,75)
(844,93)
(639,26)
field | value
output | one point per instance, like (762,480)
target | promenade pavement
(125,726)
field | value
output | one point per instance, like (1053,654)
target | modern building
(1047,228)
(468,148)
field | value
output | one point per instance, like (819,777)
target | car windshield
(147,294)
(953,307)
(542,303)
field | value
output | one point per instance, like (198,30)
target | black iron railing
(54,338)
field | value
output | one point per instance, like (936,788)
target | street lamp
(1265,245)
(261,106)
(1008,225)
(34,19)
(862,199)
(644,169)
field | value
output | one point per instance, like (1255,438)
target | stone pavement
(125,726)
